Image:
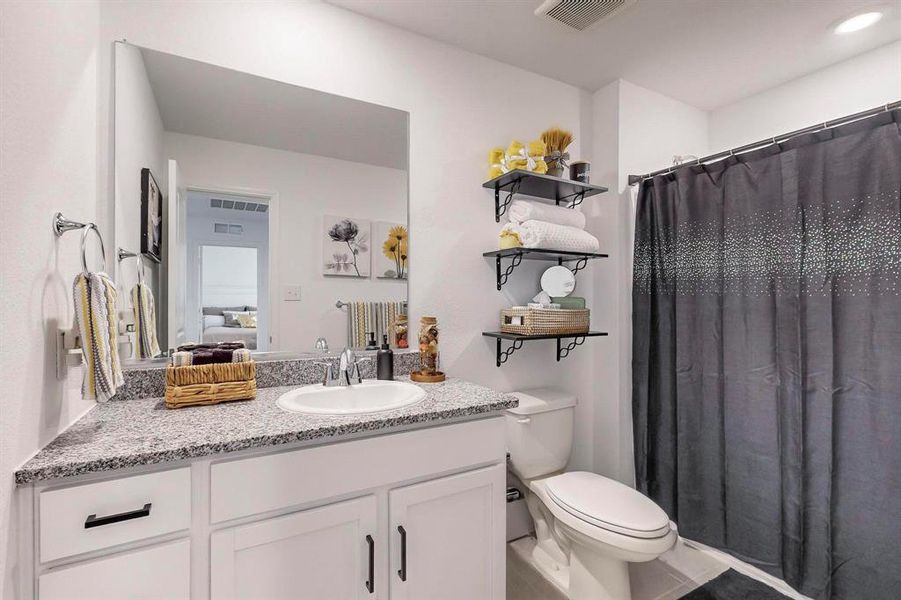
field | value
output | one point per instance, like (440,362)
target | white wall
(636,130)
(307,187)
(139,145)
(52,158)
(229,275)
(863,82)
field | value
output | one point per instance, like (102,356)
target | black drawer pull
(402,572)
(95,521)
(370,583)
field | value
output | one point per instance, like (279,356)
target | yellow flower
(398,232)
(395,248)
(389,248)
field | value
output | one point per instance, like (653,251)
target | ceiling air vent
(581,14)
(229,228)
(239,205)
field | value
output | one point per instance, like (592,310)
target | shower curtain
(767,356)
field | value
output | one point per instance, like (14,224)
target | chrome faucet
(348,370)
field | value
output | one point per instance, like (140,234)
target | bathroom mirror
(558,281)
(260,211)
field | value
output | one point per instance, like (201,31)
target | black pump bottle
(385,361)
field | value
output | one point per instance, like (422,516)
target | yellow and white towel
(143,306)
(528,210)
(550,236)
(96,322)
(375,317)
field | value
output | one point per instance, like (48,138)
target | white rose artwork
(345,246)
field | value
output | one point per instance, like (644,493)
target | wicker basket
(545,321)
(210,384)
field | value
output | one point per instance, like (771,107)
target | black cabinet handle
(95,521)
(370,583)
(402,572)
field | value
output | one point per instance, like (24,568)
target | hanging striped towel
(145,321)
(377,317)
(95,319)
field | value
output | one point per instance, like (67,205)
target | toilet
(588,527)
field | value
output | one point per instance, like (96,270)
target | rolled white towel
(549,236)
(527,210)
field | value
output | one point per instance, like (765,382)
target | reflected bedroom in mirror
(253,211)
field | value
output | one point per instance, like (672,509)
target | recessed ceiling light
(858,22)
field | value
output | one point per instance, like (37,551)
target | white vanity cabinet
(445,535)
(408,515)
(162,571)
(326,552)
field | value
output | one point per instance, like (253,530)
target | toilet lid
(608,504)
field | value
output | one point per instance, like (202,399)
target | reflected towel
(241,355)
(95,299)
(143,307)
(376,317)
(549,236)
(527,210)
(182,359)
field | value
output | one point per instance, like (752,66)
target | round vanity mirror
(558,281)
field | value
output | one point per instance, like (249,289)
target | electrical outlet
(291,293)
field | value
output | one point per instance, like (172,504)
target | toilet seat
(607,504)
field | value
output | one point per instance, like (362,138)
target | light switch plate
(291,293)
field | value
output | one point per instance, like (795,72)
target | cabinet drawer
(160,572)
(92,516)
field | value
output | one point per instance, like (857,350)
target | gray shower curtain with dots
(767,356)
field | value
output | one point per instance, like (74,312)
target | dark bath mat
(732,585)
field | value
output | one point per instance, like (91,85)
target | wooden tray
(420,378)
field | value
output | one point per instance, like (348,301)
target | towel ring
(140,266)
(122,254)
(88,227)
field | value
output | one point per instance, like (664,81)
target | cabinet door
(325,552)
(160,572)
(447,538)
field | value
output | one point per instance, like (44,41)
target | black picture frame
(151,217)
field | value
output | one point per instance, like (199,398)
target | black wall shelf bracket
(580,264)
(563,351)
(503,277)
(574,200)
(501,207)
(578,260)
(503,355)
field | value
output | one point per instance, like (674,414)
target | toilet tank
(540,432)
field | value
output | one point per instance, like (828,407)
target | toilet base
(596,577)
(555,572)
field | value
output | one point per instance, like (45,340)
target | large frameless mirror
(256,211)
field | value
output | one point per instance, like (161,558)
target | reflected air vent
(239,205)
(581,14)
(228,228)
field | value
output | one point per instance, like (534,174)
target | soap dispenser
(385,361)
(372,344)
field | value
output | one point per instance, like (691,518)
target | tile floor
(682,569)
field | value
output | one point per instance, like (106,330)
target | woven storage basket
(545,321)
(210,384)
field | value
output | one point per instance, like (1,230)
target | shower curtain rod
(635,179)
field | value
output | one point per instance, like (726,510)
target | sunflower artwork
(345,246)
(394,261)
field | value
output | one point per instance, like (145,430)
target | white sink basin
(367,397)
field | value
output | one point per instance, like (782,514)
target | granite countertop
(118,435)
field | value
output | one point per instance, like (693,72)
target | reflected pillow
(213,321)
(247,320)
(231,317)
